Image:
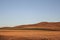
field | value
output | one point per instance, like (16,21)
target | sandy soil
(31,34)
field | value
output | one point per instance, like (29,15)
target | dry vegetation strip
(31,34)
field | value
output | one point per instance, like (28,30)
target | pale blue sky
(17,12)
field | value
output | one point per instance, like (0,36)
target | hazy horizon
(19,12)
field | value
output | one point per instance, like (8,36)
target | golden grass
(32,34)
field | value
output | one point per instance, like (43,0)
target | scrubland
(39,31)
(29,35)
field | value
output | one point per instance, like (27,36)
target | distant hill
(41,25)
(46,25)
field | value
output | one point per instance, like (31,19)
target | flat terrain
(29,35)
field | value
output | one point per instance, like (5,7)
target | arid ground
(29,35)
(39,31)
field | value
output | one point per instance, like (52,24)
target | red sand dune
(32,34)
(42,24)
(46,25)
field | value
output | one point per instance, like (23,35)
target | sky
(19,12)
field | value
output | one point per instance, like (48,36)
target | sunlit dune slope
(46,25)
(40,26)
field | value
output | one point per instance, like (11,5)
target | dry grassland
(29,35)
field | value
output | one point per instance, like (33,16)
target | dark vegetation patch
(44,29)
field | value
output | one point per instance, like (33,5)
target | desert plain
(29,35)
(16,33)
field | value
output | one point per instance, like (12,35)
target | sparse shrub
(24,38)
(44,39)
(3,37)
